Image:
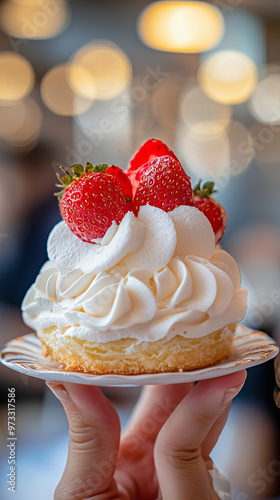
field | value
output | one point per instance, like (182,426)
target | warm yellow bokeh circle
(100,70)
(181,26)
(16,76)
(228,77)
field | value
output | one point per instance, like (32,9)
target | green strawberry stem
(76,172)
(206,190)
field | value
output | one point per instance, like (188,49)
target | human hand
(163,453)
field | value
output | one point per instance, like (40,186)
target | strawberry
(163,184)
(91,200)
(123,181)
(149,151)
(214,212)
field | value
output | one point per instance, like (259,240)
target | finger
(155,405)
(94,429)
(181,470)
(214,434)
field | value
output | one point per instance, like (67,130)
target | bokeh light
(220,156)
(203,115)
(16,76)
(181,26)
(20,123)
(165,99)
(206,156)
(59,96)
(229,77)
(103,135)
(265,102)
(267,148)
(144,118)
(256,247)
(242,148)
(34,19)
(12,119)
(100,70)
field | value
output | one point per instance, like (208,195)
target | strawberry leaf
(206,190)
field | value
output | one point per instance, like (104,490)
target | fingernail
(231,393)
(59,391)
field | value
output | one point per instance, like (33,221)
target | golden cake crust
(128,358)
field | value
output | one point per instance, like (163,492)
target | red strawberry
(91,201)
(214,212)
(164,184)
(149,151)
(123,180)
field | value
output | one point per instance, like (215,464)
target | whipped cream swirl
(149,278)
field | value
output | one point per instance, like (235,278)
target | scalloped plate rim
(23,360)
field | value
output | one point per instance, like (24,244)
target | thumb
(94,429)
(181,469)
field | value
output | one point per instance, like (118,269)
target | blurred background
(87,80)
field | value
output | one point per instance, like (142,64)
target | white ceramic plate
(251,348)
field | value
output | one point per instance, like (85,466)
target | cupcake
(136,280)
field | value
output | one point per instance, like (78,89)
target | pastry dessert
(136,281)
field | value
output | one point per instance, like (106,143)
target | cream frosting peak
(195,235)
(159,242)
(67,251)
(151,277)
